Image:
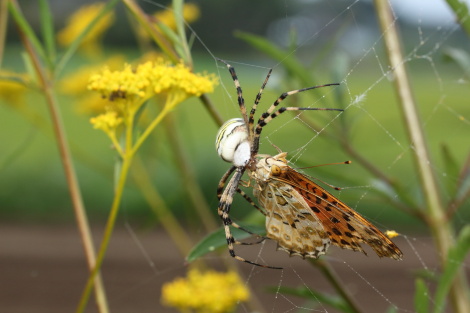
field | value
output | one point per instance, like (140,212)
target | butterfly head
(269,166)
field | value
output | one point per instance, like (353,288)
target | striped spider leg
(238,143)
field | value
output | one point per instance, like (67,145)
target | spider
(238,143)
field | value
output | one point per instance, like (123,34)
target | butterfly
(305,219)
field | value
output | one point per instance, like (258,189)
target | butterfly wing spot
(334,220)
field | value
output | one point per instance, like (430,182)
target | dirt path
(42,269)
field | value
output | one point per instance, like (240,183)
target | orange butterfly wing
(345,227)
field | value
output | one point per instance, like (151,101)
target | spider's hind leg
(223,210)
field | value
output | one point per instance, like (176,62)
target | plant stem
(211,109)
(158,206)
(188,176)
(70,174)
(108,230)
(3,27)
(330,274)
(145,22)
(166,109)
(438,223)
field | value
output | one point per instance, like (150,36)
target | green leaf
(217,239)
(426,274)
(26,29)
(461,11)
(287,59)
(463,189)
(47,28)
(454,260)
(421,297)
(458,56)
(333,301)
(451,168)
(392,309)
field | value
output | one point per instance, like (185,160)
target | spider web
(375,127)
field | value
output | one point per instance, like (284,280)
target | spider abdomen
(232,142)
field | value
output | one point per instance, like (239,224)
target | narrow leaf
(459,57)
(26,29)
(217,239)
(451,168)
(333,301)
(421,297)
(76,43)
(455,258)
(47,28)
(265,46)
(461,10)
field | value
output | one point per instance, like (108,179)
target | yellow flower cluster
(128,89)
(107,121)
(77,23)
(76,82)
(208,292)
(190,14)
(136,85)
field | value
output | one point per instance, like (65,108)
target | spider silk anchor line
(302,217)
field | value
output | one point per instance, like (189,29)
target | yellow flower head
(190,14)
(75,84)
(106,121)
(12,87)
(79,21)
(208,292)
(134,85)
(391,234)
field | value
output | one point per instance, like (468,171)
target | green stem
(158,206)
(26,30)
(145,22)
(76,43)
(108,231)
(330,274)
(188,176)
(211,109)
(166,109)
(3,27)
(181,29)
(438,223)
(69,170)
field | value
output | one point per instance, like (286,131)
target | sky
(425,12)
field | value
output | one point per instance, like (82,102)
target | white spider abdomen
(232,142)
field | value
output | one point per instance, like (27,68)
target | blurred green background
(32,185)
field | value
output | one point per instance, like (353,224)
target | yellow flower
(127,90)
(108,122)
(12,87)
(132,86)
(208,292)
(76,84)
(391,234)
(190,14)
(79,21)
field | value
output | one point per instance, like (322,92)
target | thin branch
(335,281)
(437,220)
(70,174)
